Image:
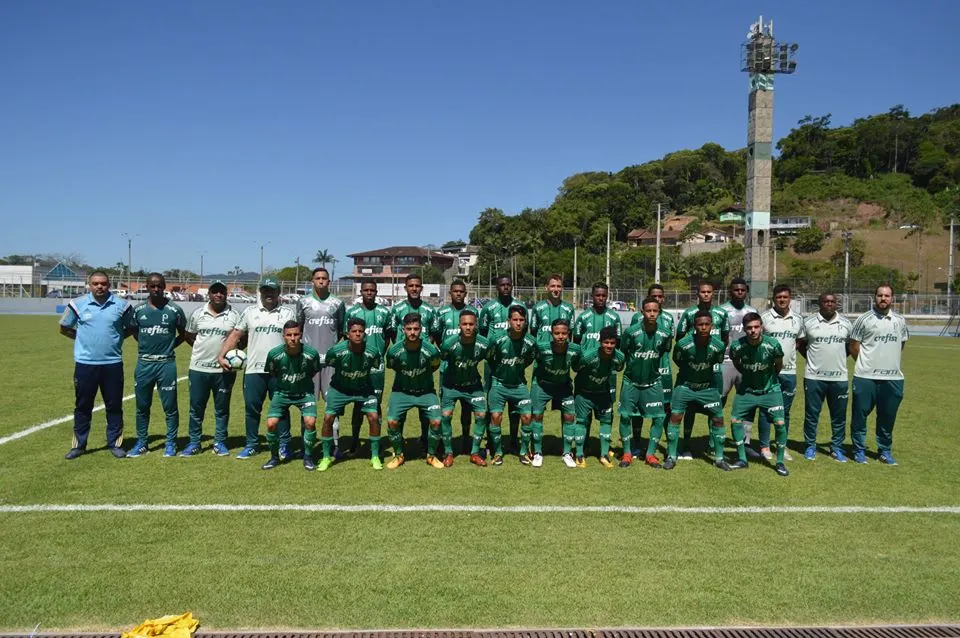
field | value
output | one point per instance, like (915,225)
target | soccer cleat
(308,463)
(284,451)
(721,464)
(652,461)
(376,463)
(337,454)
(786,455)
(537,460)
(685,454)
(860,456)
(837,455)
(611,455)
(568,460)
(810,453)
(526,459)
(433,461)
(886,457)
(118,452)
(782,470)
(626,459)
(220,449)
(605,462)
(739,465)
(139,449)
(669,463)
(73,453)
(247,452)
(191,450)
(448,460)
(271,463)
(766,453)
(169,450)
(498,459)
(637,452)
(581,462)
(325,464)
(476,459)
(395,462)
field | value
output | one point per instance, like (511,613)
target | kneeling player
(353,366)
(292,366)
(592,396)
(552,385)
(696,355)
(460,381)
(413,361)
(509,357)
(758,358)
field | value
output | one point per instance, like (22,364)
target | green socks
(606,430)
(479,429)
(374,447)
(718,435)
(739,435)
(446,433)
(673,437)
(781,429)
(433,439)
(626,435)
(656,431)
(569,433)
(327,443)
(526,433)
(273,442)
(396,440)
(309,441)
(579,437)
(496,438)
(636,424)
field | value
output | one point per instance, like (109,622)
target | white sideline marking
(64,419)
(485,509)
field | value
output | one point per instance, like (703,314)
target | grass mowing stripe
(483,509)
(64,419)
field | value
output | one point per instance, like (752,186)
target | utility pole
(847,236)
(129,260)
(576,302)
(656,266)
(608,255)
(296,276)
(950,267)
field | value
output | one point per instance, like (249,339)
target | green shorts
(449,397)
(559,397)
(686,398)
(746,404)
(516,398)
(281,403)
(338,401)
(588,405)
(401,403)
(641,401)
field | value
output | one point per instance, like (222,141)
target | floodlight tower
(761,57)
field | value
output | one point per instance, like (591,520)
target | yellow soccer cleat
(605,462)
(395,462)
(433,461)
(581,462)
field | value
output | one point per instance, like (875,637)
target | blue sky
(216,126)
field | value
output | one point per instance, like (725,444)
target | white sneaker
(766,453)
(537,460)
(787,456)
(568,460)
(685,456)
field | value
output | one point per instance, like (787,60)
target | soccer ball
(236,358)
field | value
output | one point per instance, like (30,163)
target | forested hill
(907,168)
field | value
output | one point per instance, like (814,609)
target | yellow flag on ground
(172,626)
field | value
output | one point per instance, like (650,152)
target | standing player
(552,385)
(697,356)
(545,312)
(509,357)
(158,325)
(262,326)
(292,367)
(786,326)
(736,308)
(641,393)
(721,329)
(413,361)
(665,322)
(592,396)
(877,340)
(494,322)
(758,358)
(377,320)
(446,324)
(207,329)
(460,382)
(321,319)
(825,346)
(353,363)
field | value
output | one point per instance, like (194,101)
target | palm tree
(323,257)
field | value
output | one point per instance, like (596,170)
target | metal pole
(201,270)
(656,267)
(846,269)
(576,301)
(129,265)
(608,255)
(261,261)
(950,269)
(536,295)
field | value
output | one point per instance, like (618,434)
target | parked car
(240,298)
(119,292)
(140,295)
(55,294)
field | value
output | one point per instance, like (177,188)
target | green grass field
(378,569)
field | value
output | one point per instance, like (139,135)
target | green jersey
(351,371)
(494,318)
(756,364)
(156,330)
(553,369)
(460,362)
(589,323)
(378,323)
(643,352)
(211,329)
(413,368)
(695,363)
(721,323)
(294,372)
(881,339)
(402,309)
(593,372)
(543,315)
(665,322)
(446,323)
(510,358)
(264,329)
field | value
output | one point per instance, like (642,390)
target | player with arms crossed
(494,322)
(446,324)
(413,361)
(592,396)
(552,386)
(460,382)
(759,359)
(510,356)
(292,366)
(665,322)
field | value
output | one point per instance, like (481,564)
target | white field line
(482,509)
(64,419)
